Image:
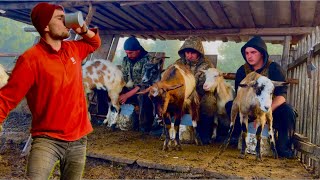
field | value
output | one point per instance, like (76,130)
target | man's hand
(82,29)
(123,98)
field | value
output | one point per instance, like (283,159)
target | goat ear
(144,91)
(250,84)
(279,83)
(172,87)
(202,70)
(243,85)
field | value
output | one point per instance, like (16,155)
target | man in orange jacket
(49,75)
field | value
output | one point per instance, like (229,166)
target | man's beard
(61,36)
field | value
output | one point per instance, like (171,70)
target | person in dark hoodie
(256,55)
(133,70)
(192,54)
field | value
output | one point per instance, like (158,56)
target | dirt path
(145,151)
(126,155)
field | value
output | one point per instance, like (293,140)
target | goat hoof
(242,156)
(258,158)
(165,148)
(113,127)
(275,155)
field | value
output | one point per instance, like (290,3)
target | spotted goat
(103,74)
(254,99)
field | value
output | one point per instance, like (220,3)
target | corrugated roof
(211,20)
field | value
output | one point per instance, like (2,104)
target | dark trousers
(284,120)
(102,98)
(206,119)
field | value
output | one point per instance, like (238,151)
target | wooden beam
(9,54)
(302,59)
(226,32)
(271,13)
(91,12)
(285,53)
(316,19)
(30,5)
(137,3)
(295,13)
(113,48)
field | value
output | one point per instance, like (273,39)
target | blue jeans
(47,152)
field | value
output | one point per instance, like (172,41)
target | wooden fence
(304,96)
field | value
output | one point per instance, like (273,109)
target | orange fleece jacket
(52,83)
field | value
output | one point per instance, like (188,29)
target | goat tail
(195,104)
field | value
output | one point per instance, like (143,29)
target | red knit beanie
(41,14)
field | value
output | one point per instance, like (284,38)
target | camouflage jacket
(196,67)
(134,69)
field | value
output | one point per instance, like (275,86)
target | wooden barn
(294,24)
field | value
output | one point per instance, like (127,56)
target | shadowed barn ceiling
(211,20)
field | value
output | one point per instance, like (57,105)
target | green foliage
(230,57)
(13,39)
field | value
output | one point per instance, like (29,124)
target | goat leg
(167,138)
(258,146)
(271,135)
(243,140)
(215,127)
(177,139)
(196,133)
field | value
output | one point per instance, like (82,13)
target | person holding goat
(256,55)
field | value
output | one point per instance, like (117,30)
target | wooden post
(113,47)
(285,53)
(103,51)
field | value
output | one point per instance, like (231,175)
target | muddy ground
(131,155)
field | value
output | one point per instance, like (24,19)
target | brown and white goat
(103,74)
(174,95)
(254,99)
(223,93)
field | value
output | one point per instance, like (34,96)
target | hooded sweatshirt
(195,43)
(270,69)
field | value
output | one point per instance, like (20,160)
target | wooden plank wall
(305,95)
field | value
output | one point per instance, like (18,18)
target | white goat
(223,93)
(254,99)
(103,74)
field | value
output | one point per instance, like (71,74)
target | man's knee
(284,117)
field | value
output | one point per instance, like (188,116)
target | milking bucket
(74,20)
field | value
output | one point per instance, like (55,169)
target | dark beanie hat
(41,14)
(132,44)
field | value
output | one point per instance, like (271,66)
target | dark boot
(284,144)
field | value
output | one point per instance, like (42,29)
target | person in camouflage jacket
(192,54)
(133,70)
